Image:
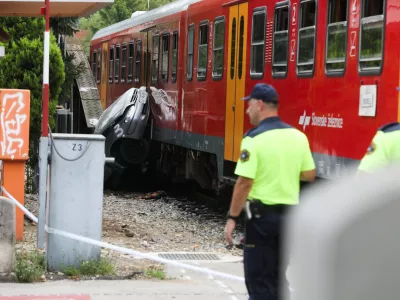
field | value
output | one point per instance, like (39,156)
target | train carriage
(334,64)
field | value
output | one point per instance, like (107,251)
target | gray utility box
(76,198)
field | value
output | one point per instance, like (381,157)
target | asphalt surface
(181,284)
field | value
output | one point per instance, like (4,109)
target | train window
(130,61)
(94,60)
(174,56)
(258,42)
(371,35)
(280,41)
(218,47)
(138,60)
(203,51)
(336,36)
(98,65)
(241,43)
(306,45)
(111,67)
(116,62)
(154,65)
(123,64)
(190,53)
(165,56)
(233,49)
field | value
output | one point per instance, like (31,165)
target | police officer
(274,158)
(384,149)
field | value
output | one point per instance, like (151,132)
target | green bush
(29,266)
(91,268)
(22,68)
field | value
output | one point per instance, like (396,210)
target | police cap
(264,92)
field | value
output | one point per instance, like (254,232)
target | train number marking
(77,147)
(292,49)
(118,131)
(353,43)
(294,14)
(354,7)
(293,41)
(354,12)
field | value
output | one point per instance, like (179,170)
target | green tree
(94,23)
(120,10)
(66,26)
(24,60)
(123,9)
(17,27)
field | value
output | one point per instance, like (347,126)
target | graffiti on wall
(14,124)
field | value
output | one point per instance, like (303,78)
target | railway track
(187,197)
(134,181)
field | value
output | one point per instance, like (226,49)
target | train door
(146,38)
(236,74)
(147,59)
(104,75)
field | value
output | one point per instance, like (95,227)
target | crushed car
(123,124)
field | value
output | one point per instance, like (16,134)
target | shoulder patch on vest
(244,155)
(371,148)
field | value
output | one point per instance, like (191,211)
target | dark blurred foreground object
(344,240)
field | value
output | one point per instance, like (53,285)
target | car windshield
(114,111)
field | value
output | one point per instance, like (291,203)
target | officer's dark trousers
(263,264)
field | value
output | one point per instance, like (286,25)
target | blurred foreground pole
(344,239)
(44,139)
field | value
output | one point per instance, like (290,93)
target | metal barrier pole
(44,139)
(43,164)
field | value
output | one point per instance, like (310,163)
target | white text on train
(329,121)
(321,121)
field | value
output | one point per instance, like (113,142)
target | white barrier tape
(27,212)
(122,249)
(140,254)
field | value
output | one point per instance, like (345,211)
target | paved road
(226,288)
(185,284)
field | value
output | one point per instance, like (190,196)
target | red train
(330,61)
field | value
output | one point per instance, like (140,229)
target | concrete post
(7,239)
